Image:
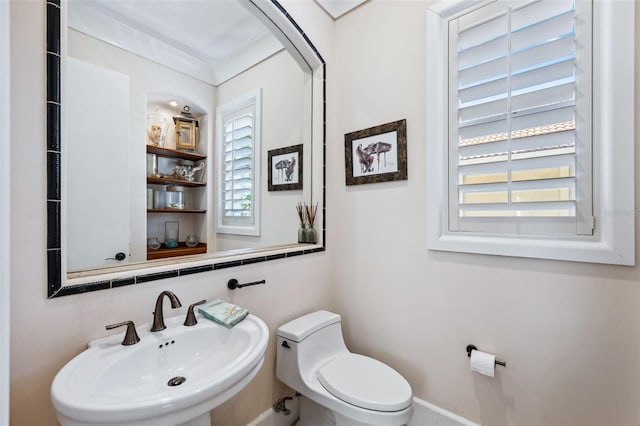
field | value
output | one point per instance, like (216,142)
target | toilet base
(313,414)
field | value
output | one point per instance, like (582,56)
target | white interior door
(97,167)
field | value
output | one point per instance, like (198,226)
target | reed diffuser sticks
(300,209)
(307,216)
(311,213)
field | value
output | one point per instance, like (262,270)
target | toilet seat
(365,383)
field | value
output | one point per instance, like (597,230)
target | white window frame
(613,146)
(240,227)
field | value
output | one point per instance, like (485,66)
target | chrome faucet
(158,316)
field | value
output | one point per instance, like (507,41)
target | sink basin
(168,378)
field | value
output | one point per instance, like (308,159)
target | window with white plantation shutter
(520,107)
(238,165)
(530,128)
(238,161)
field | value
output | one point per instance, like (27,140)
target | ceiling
(209,40)
(337,8)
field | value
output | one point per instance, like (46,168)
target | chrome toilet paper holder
(475,348)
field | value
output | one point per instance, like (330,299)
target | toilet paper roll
(483,363)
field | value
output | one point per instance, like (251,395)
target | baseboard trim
(425,414)
(263,419)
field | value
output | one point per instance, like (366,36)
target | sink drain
(176,381)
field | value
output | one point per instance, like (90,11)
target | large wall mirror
(183,136)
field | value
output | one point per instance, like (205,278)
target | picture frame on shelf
(186,127)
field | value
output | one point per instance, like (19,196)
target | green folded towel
(223,313)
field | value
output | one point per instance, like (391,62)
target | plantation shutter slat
(536,33)
(514,91)
(498,210)
(554,50)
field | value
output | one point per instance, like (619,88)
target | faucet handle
(191,316)
(130,336)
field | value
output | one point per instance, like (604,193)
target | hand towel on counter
(224,313)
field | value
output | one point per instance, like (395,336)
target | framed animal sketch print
(285,168)
(376,154)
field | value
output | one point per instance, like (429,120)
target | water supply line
(280,405)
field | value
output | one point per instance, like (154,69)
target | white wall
(5,228)
(45,334)
(569,332)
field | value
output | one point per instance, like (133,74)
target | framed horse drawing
(376,154)
(285,168)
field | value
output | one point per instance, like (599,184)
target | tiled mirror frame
(54,198)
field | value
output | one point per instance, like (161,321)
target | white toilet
(356,390)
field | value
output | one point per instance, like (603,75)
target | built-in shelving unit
(190,217)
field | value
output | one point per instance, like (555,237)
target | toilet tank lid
(300,328)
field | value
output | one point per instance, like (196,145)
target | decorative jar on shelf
(157,125)
(186,170)
(191,241)
(175,197)
(158,199)
(302,235)
(311,236)
(152,165)
(171,232)
(153,243)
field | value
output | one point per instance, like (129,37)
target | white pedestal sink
(170,377)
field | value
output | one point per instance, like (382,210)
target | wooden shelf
(181,250)
(152,180)
(173,153)
(175,211)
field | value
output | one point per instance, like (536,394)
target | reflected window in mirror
(238,141)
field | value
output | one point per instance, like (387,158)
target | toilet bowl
(313,359)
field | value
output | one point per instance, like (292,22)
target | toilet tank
(304,344)
(302,327)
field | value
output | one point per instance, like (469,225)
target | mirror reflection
(173,109)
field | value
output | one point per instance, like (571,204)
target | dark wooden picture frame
(285,168)
(376,154)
